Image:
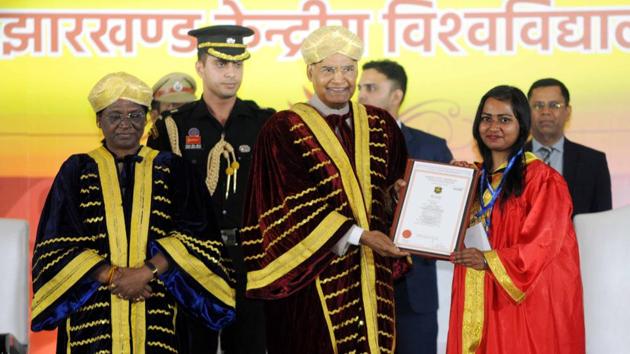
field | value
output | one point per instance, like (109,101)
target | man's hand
(470,257)
(381,244)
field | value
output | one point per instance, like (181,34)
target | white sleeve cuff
(354,235)
(351,237)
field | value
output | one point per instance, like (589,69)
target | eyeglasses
(553,106)
(329,71)
(135,118)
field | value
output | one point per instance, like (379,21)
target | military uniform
(175,88)
(197,133)
(222,155)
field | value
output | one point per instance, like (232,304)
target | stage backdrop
(52,52)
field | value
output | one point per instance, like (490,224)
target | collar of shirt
(325,110)
(239,109)
(558,146)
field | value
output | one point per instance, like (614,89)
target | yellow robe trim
(494,262)
(368,269)
(368,289)
(123,255)
(362,153)
(472,324)
(298,253)
(331,145)
(68,347)
(331,332)
(529,157)
(193,266)
(359,194)
(64,280)
(140,217)
(474,296)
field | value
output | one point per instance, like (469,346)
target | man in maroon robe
(318,209)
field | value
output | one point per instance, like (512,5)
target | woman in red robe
(524,295)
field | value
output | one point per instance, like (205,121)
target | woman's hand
(470,257)
(101,274)
(132,283)
(463,164)
(399,184)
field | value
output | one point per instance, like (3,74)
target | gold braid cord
(173,136)
(221,45)
(215,53)
(221,148)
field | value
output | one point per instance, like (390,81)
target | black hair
(392,70)
(515,180)
(202,55)
(547,82)
(155,105)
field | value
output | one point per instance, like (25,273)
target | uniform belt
(229,236)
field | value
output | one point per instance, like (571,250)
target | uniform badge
(437,190)
(193,139)
(177,86)
(230,40)
(244,149)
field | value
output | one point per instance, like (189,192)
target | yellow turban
(329,40)
(120,85)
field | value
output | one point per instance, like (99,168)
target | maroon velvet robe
(305,192)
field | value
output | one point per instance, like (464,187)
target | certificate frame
(434,227)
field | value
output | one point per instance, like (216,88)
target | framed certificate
(433,212)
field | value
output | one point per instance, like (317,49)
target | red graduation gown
(530,301)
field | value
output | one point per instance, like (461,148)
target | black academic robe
(94,214)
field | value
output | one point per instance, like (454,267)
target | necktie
(545,154)
(342,130)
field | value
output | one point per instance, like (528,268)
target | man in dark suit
(584,169)
(383,84)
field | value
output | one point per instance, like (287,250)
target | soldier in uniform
(217,134)
(172,91)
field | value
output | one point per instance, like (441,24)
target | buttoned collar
(558,146)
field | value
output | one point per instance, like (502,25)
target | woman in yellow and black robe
(99,213)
